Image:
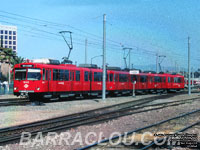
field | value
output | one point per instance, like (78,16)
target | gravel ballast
(121,125)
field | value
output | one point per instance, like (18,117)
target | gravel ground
(8,96)
(102,130)
(16,115)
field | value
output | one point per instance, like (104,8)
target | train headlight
(38,89)
(15,88)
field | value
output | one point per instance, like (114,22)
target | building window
(1,36)
(14,47)
(10,32)
(14,42)
(10,46)
(6,37)
(10,42)
(6,46)
(14,37)
(14,32)
(10,37)
(1,31)
(6,32)
(6,42)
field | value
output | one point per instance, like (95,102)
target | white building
(8,37)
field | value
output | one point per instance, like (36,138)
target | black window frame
(78,75)
(86,76)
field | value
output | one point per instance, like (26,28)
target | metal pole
(129,59)
(133,89)
(192,78)
(157,63)
(189,80)
(104,58)
(85,51)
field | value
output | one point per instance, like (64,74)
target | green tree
(8,56)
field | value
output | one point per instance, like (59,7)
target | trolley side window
(61,75)
(143,79)
(97,76)
(43,74)
(123,78)
(150,79)
(50,75)
(164,80)
(55,74)
(34,74)
(86,75)
(20,74)
(77,75)
(133,78)
(111,77)
(47,74)
(177,80)
(66,75)
(169,80)
(157,79)
(71,76)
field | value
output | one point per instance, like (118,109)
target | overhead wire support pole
(104,58)
(189,74)
(85,51)
(156,62)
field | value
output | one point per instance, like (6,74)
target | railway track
(14,102)
(88,117)
(160,127)
(25,101)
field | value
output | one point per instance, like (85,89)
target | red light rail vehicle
(43,79)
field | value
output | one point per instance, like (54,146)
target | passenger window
(97,76)
(43,74)
(61,75)
(55,74)
(123,78)
(111,77)
(171,79)
(50,75)
(66,75)
(77,75)
(116,77)
(46,74)
(168,79)
(72,76)
(143,79)
(86,73)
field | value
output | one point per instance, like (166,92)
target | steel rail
(140,129)
(185,128)
(88,120)
(73,116)
(85,114)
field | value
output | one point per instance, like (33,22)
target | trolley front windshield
(30,74)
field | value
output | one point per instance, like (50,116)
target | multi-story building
(8,37)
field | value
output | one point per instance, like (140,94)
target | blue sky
(148,26)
